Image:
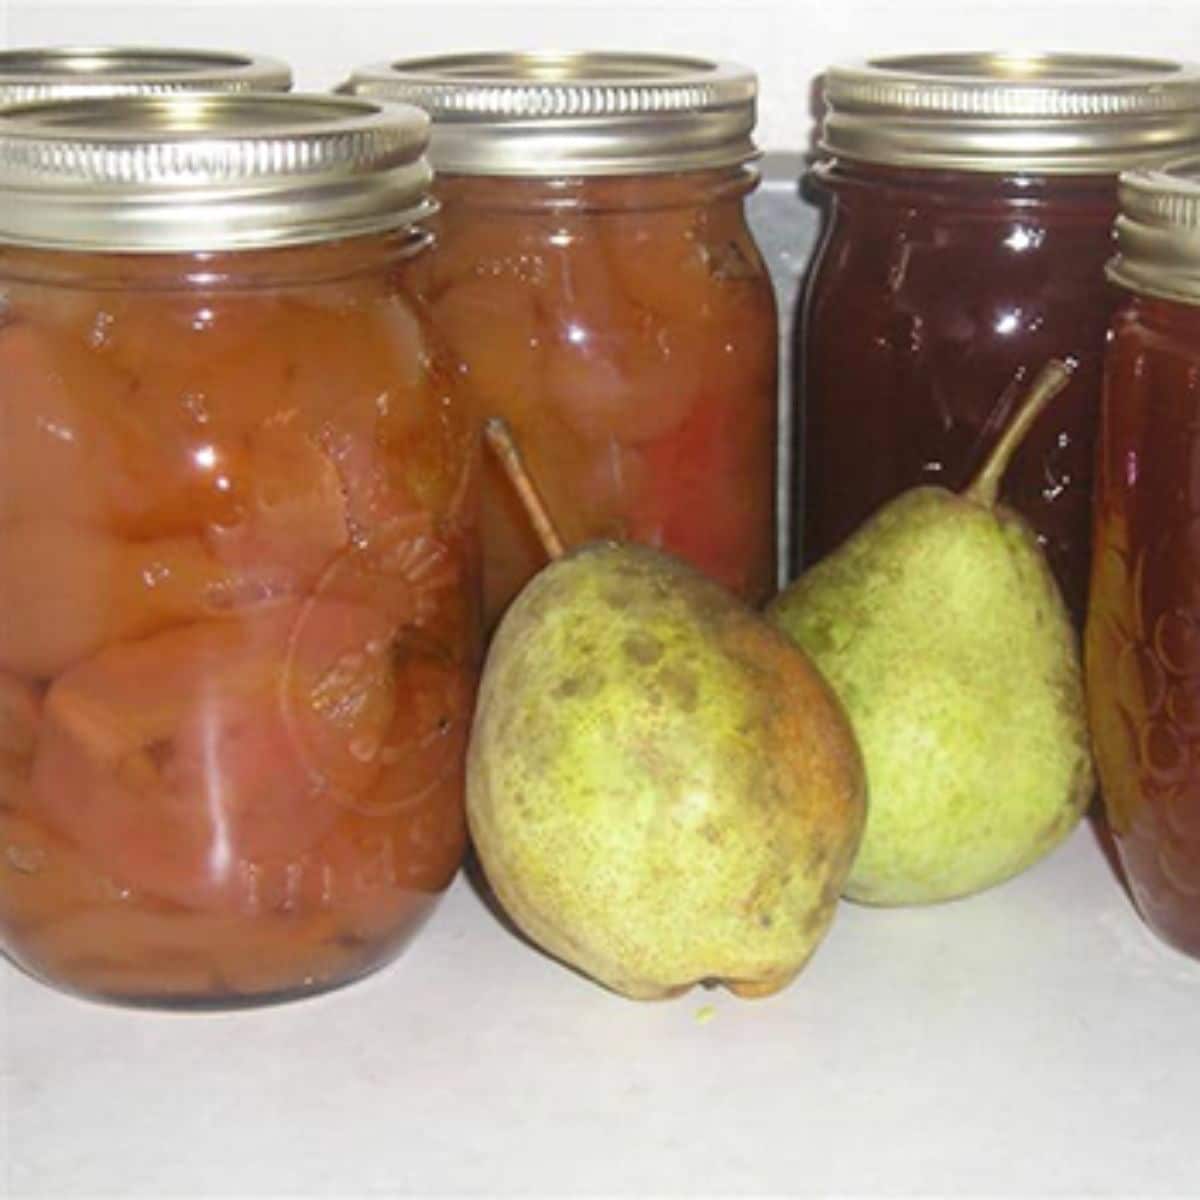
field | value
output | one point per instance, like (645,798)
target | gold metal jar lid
(209,170)
(541,113)
(1057,114)
(1158,232)
(50,72)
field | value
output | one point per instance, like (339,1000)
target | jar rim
(34,73)
(1043,112)
(1158,232)
(566,112)
(209,170)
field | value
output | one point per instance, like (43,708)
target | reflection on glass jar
(629,339)
(1143,630)
(239,570)
(598,282)
(959,253)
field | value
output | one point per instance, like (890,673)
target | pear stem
(1050,380)
(500,438)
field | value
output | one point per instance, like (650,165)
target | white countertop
(1033,1039)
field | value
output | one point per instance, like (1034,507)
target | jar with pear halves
(238,548)
(596,278)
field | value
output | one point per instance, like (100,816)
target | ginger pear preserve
(1143,630)
(238,563)
(595,276)
(969,200)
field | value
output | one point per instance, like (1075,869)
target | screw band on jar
(58,72)
(574,113)
(1158,232)
(209,171)
(1056,114)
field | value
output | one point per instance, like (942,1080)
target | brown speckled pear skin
(661,788)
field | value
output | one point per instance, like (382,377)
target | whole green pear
(661,788)
(941,628)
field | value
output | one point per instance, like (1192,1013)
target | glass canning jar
(968,203)
(1143,630)
(59,72)
(238,547)
(595,277)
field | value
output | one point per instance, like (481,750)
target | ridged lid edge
(200,171)
(31,74)
(574,112)
(1158,231)
(992,111)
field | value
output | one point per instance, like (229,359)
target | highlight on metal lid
(48,72)
(1051,113)
(209,171)
(1158,231)
(545,112)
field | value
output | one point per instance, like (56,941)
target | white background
(1033,1040)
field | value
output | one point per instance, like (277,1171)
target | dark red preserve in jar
(1143,629)
(969,203)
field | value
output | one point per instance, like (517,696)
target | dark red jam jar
(969,200)
(1143,628)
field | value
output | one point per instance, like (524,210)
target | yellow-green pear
(661,789)
(941,628)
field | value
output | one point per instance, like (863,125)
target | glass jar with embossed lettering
(1143,628)
(238,563)
(596,277)
(59,72)
(969,200)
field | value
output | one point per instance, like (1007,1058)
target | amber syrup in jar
(238,553)
(1143,630)
(595,276)
(968,220)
